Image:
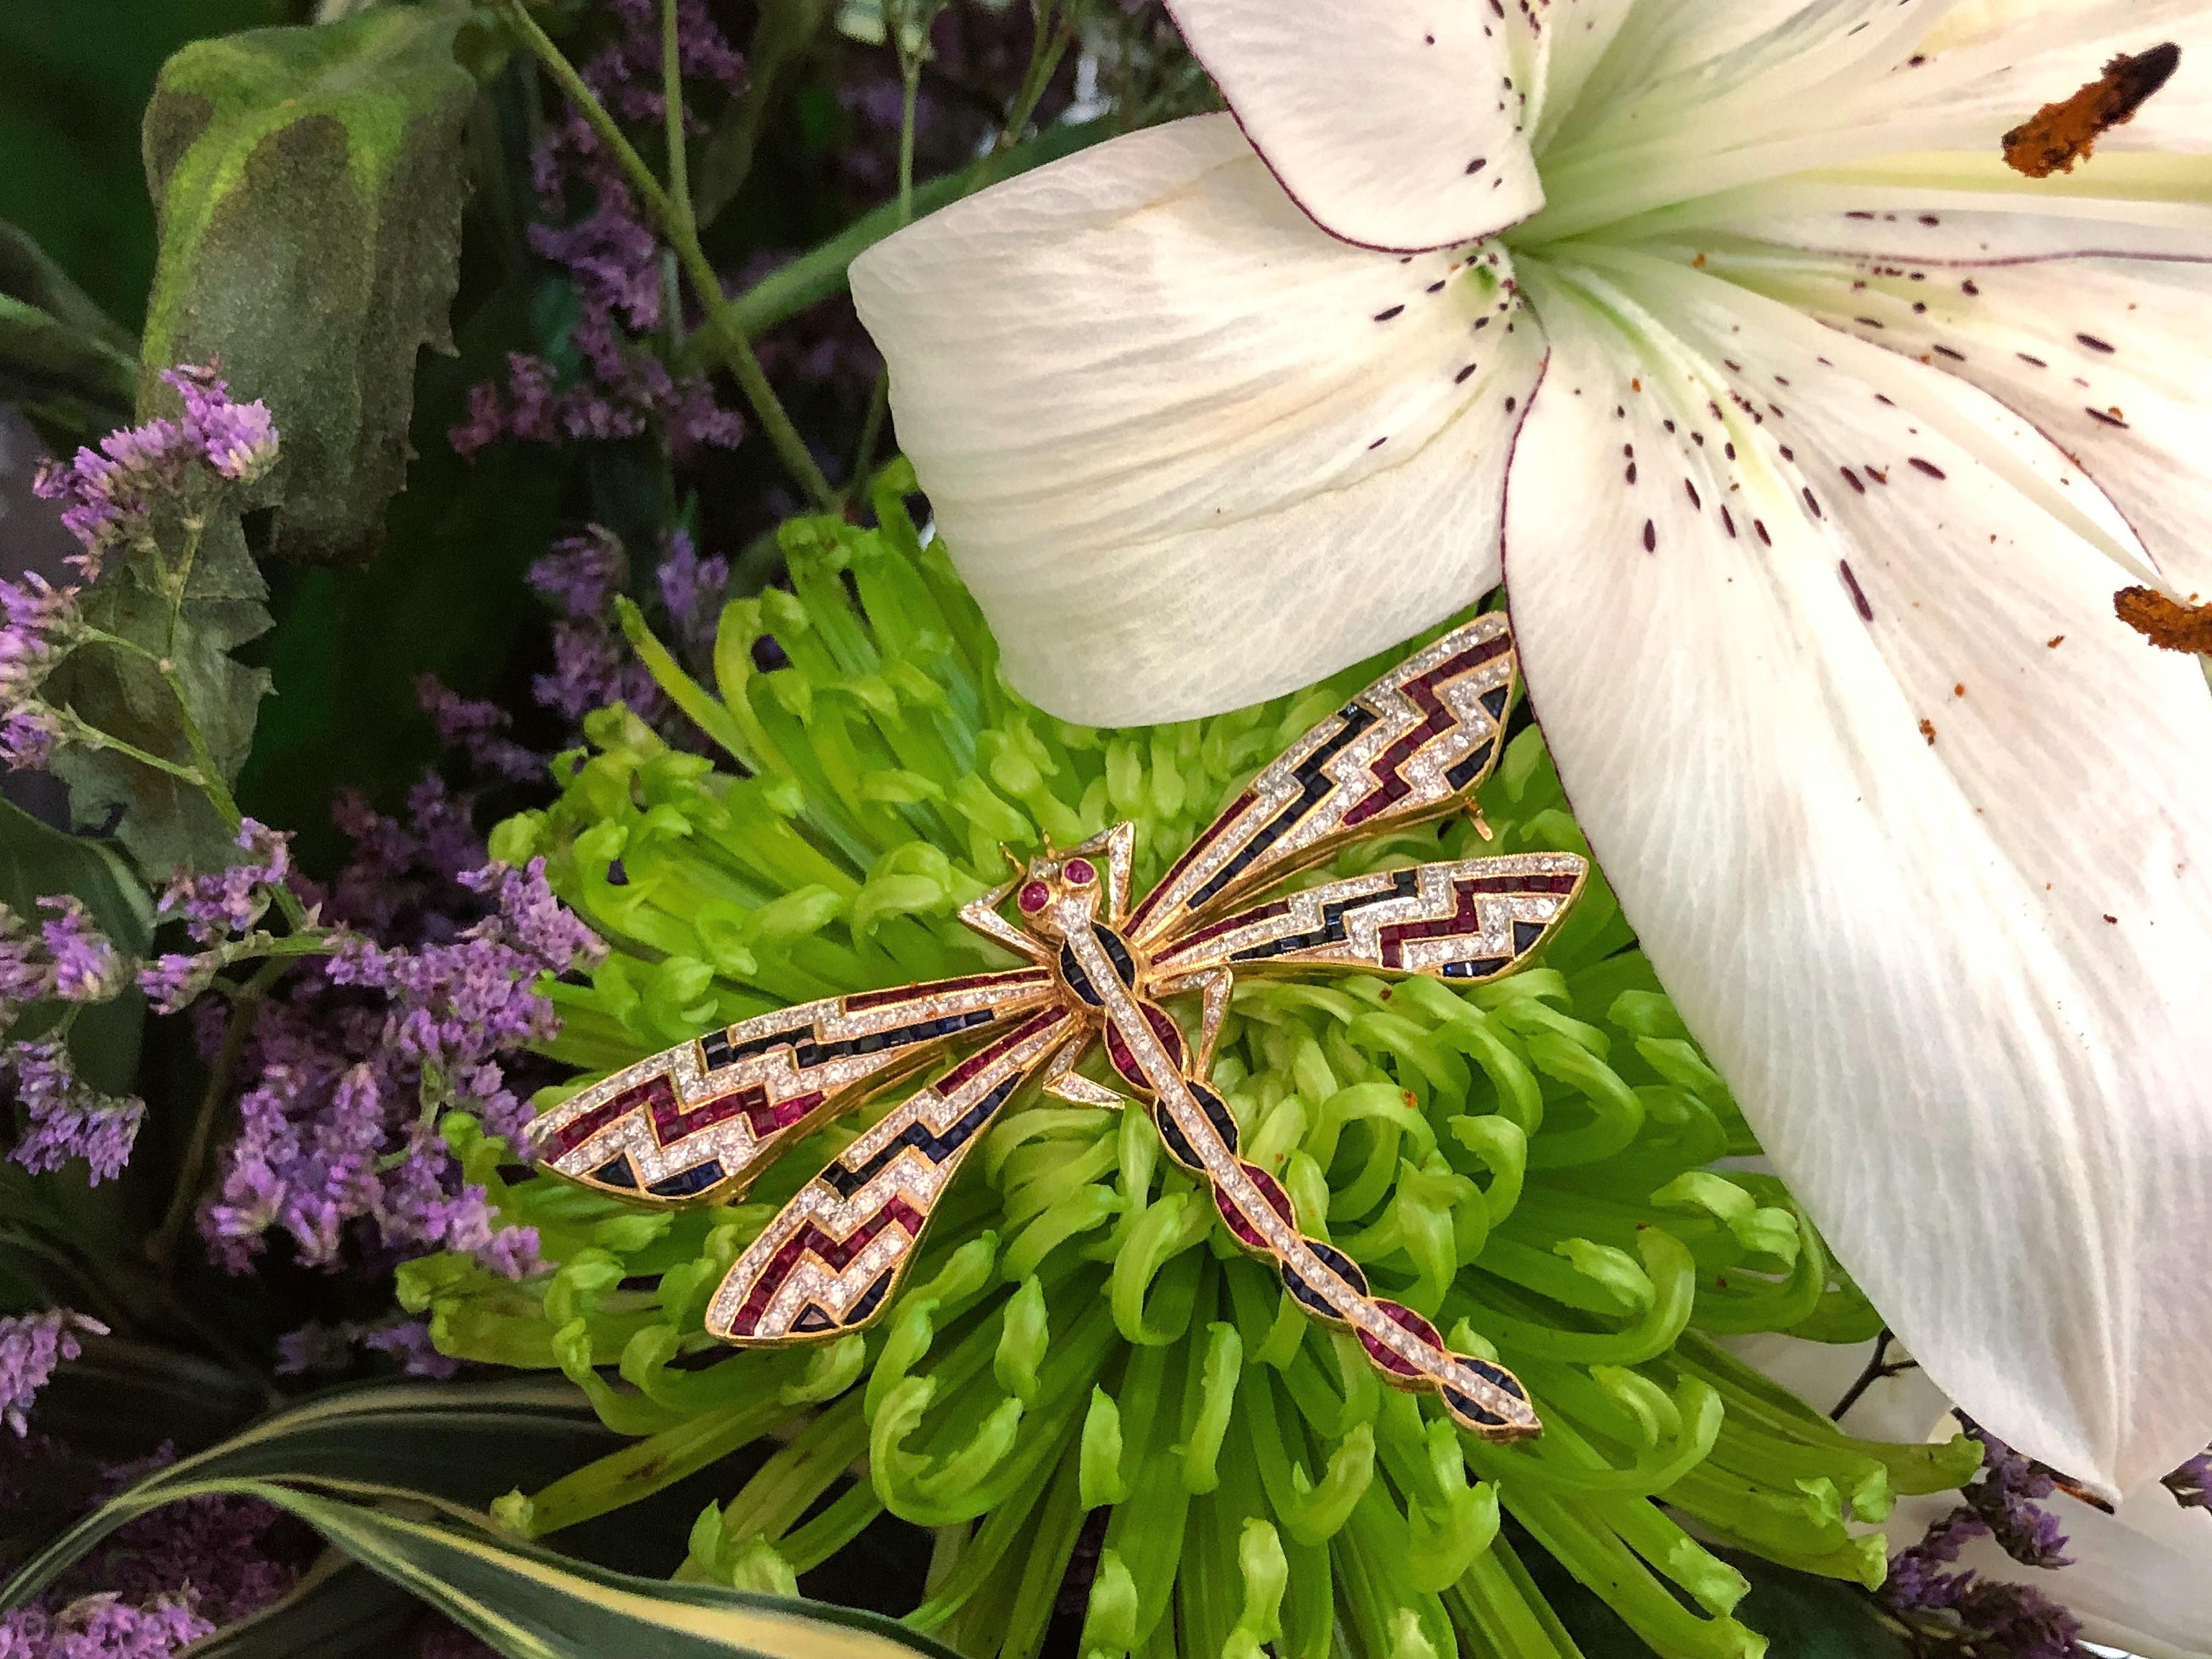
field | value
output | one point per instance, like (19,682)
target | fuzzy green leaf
(310,183)
(162,821)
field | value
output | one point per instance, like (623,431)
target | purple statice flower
(2191,1484)
(2007,1496)
(580,576)
(67,1119)
(86,966)
(613,261)
(355,1057)
(102,1627)
(27,973)
(42,623)
(478,731)
(1993,1619)
(326,1349)
(229,902)
(32,1348)
(109,495)
(692,590)
(28,736)
(592,667)
(239,440)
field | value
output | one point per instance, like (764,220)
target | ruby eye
(1079,873)
(1033,897)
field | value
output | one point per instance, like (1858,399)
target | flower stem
(674,215)
(161,1248)
(208,776)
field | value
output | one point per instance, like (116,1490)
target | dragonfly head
(1059,894)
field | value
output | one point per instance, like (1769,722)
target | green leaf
(340,1608)
(427,1456)
(310,183)
(455,1446)
(72,370)
(162,821)
(36,859)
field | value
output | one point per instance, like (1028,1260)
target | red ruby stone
(1080,872)
(1034,898)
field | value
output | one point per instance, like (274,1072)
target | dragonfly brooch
(698,1122)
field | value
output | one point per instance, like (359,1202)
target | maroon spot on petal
(1868,321)
(1812,502)
(1632,472)
(1476,165)
(1929,467)
(1380,441)
(1727,523)
(2025,358)
(1651,537)
(1510,401)
(1967,288)
(1858,593)
(1437,287)
(1385,316)
(1852,479)
(1462,374)
(1945,351)
(1692,490)
(1760,525)
(2094,343)
(2108,419)
(1929,219)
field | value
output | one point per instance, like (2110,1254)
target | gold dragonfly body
(699,1121)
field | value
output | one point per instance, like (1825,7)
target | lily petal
(1188,451)
(1396,123)
(2107,357)
(1918,870)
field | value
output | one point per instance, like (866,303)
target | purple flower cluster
(613,261)
(165,1580)
(102,1627)
(68,958)
(1993,1619)
(43,622)
(31,1346)
(593,666)
(478,731)
(2191,1484)
(356,1058)
(66,1119)
(220,912)
(109,495)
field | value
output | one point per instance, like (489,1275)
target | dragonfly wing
(1473,920)
(696,1123)
(1409,747)
(830,1259)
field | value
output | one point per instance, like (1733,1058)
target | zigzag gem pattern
(1472,919)
(832,1253)
(700,1120)
(1406,748)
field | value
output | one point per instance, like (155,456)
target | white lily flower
(2139,1578)
(1791,413)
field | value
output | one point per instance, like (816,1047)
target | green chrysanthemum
(1530,1164)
